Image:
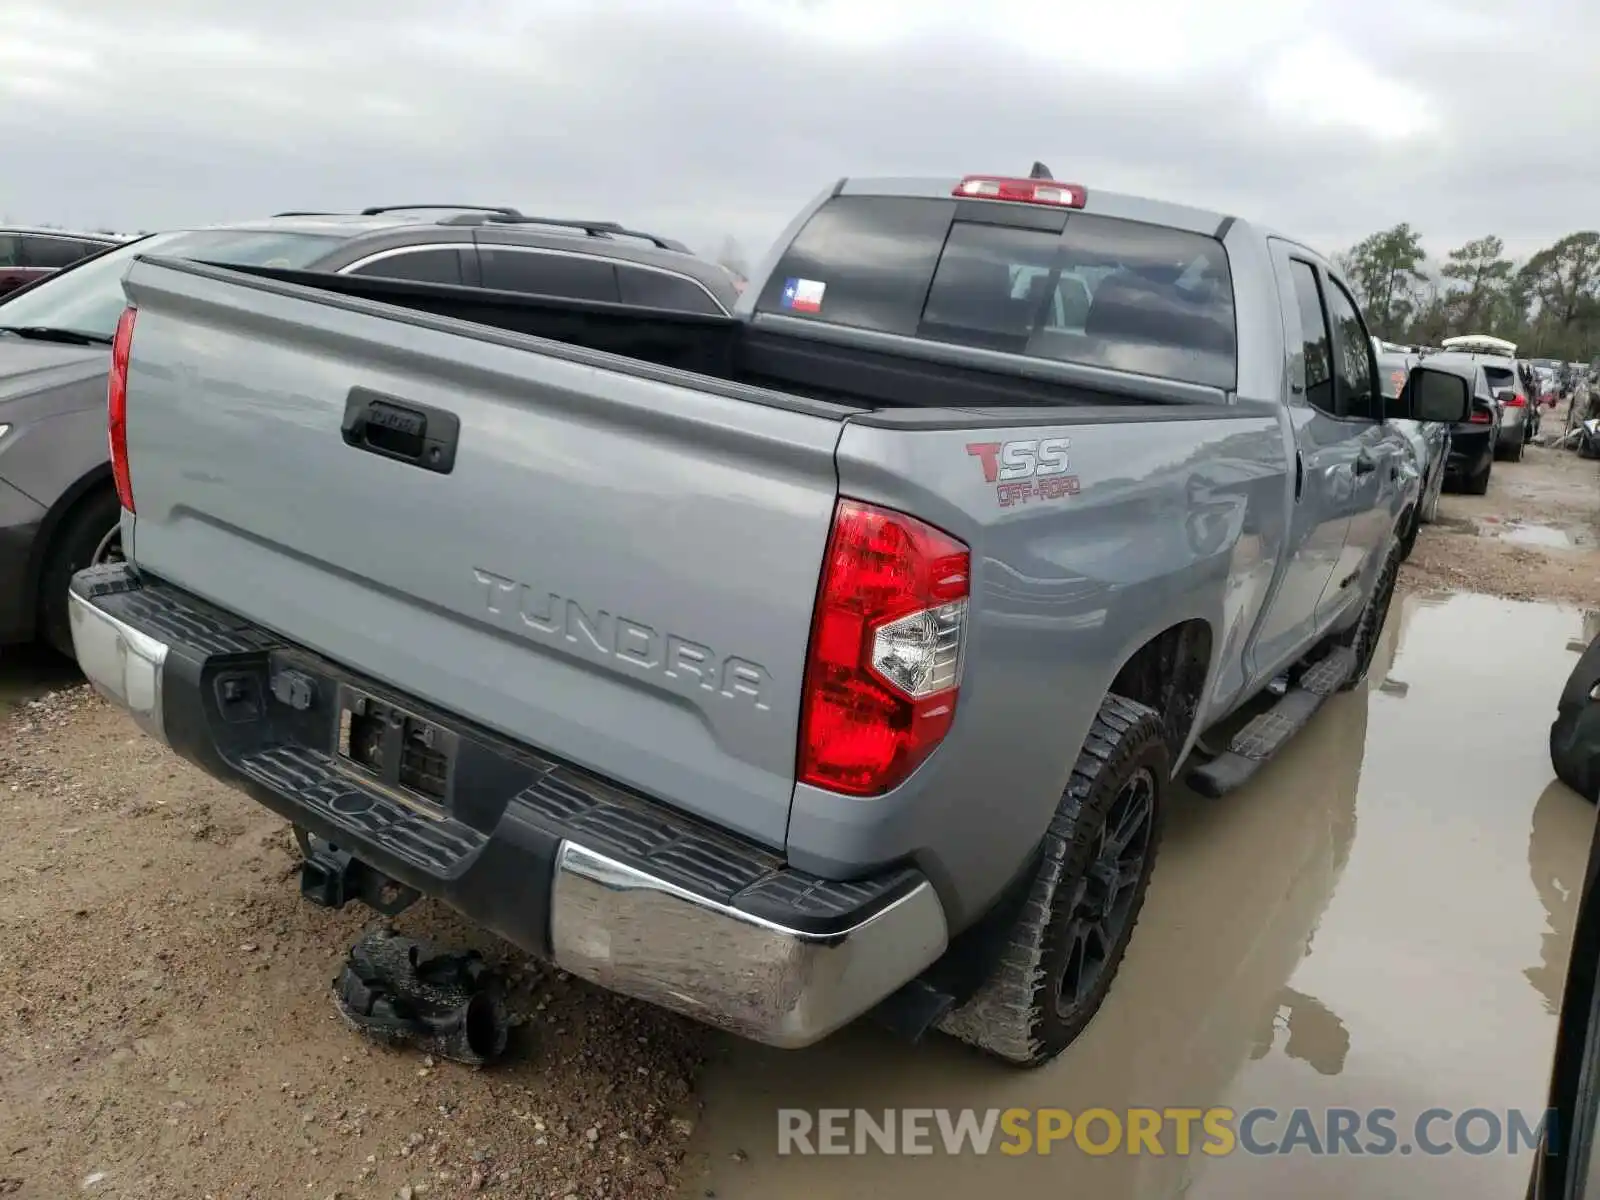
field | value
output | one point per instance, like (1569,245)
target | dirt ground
(167,1028)
(166,1024)
(1534,536)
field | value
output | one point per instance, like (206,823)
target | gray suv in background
(58,507)
(1516,405)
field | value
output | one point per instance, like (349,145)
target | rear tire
(1409,541)
(87,535)
(1575,733)
(1363,636)
(1062,954)
(1575,750)
(1478,485)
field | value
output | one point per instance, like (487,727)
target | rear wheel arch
(88,489)
(60,511)
(1168,673)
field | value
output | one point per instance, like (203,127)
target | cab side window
(1314,338)
(52,253)
(421,266)
(1352,359)
(545,273)
(659,289)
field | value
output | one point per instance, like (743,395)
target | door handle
(416,434)
(1365,463)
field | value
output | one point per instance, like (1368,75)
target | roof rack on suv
(598,229)
(498,214)
(379,209)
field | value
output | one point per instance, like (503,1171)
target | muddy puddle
(1379,921)
(1530,533)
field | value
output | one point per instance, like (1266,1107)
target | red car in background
(27,254)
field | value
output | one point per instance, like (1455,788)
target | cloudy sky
(700,118)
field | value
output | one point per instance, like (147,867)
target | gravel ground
(1534,536)
(166,1023)
(167,1028)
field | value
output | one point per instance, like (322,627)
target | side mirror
(1434,395)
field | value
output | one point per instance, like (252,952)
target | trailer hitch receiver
(332,877)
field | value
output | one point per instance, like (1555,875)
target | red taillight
(117,405)
(886,650)
(1516,402)
(1480,417)
(1023,191)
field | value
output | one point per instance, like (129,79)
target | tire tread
(1003,1018)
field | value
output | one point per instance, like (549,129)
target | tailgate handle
(407,432)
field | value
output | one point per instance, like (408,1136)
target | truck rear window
(1101,291)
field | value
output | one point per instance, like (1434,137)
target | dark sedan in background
(27,254)
(1429,440)
(1473,441)
(58,507)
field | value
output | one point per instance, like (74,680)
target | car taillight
(1481,417)
(1023,191)
(886,650)
(117,405)
(1516,402)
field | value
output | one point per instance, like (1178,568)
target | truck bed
(787,358)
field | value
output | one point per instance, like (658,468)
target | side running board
(1255,745)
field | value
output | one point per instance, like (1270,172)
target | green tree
(1433,319)
(1482,273)
(1385,269)
(1565,278)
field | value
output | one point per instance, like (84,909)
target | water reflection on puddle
(1524,533)
(1381,919)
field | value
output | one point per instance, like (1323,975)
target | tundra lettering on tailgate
(1027,469)
(546,616)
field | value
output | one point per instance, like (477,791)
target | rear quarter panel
(1171,519)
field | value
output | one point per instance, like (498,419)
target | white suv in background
(1498,358)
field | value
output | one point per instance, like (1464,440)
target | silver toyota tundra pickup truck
(835,657)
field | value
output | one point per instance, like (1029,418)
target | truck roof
(1112,204)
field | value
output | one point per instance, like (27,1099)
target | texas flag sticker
(803,295)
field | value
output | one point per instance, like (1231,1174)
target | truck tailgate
(617,570)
